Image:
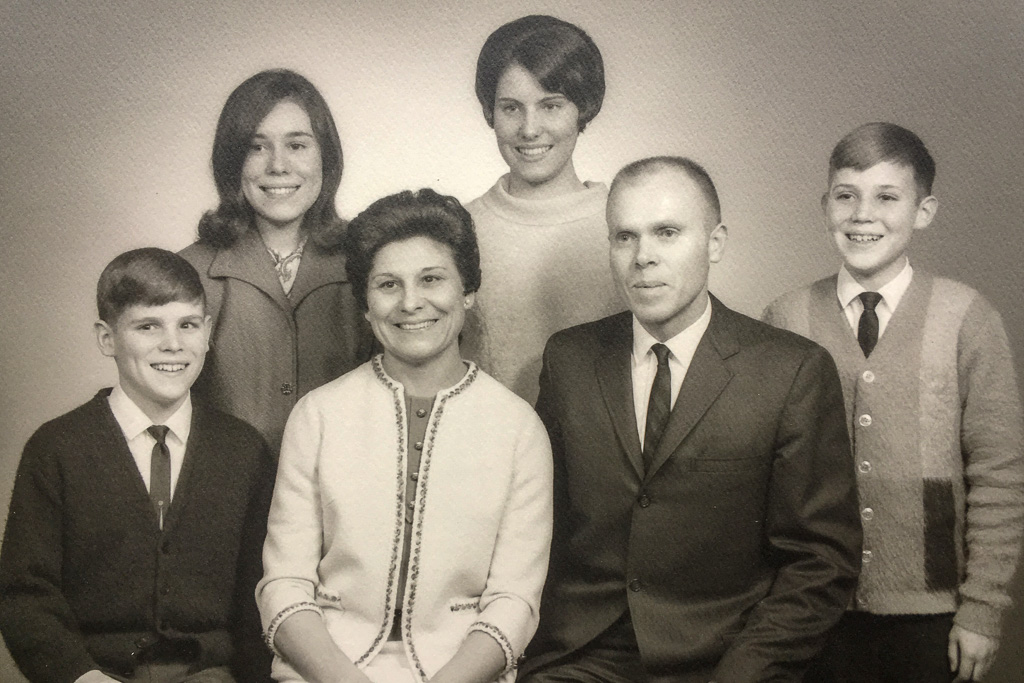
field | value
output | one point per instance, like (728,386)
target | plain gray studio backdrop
(107,113)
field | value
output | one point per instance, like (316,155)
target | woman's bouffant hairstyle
(560,55)
(873,143)
(408,214)
(245,109)
(146,277)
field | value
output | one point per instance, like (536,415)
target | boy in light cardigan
(935,418)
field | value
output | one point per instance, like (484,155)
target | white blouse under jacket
(481,525)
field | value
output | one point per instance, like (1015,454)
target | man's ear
(926,211)
(105,338)
(716,243)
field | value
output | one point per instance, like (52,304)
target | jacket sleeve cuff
(503,642)
(979,618)
(275,623)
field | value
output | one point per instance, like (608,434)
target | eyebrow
(290,134)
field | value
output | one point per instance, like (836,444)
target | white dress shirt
(134,423)
(849,290)
(645,364)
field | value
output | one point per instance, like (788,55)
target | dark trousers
(612,657)
(879,648)
(177,673)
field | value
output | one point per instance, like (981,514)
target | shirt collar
(682,346)
(848,289)
(133,421)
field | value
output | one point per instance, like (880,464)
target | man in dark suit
(706,521)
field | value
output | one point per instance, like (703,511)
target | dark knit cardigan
(87,578)
(935,417)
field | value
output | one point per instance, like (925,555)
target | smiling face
(663,241)
(416,304)
(871,216)
(159,351)
(536,132)
(283,173)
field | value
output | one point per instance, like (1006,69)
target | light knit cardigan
(482,520)
(545,268)
(936,425)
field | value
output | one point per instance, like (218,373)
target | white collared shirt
(848,290)
(134,423)
(644,363)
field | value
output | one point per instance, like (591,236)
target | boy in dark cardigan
(935,418)
(137,520)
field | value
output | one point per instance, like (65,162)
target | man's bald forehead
(637,171)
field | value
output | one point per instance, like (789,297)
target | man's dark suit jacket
(740,546)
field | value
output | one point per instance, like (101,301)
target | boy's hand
(970,654)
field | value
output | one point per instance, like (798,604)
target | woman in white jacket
(409,534)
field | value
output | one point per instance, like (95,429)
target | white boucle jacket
(482,519)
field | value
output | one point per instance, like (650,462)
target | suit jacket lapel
(616,382)
(249,261)
(705,380)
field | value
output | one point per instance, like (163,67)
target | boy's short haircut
(146,277)
(696,173)
(560,55)
(873,143)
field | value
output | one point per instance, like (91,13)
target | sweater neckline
(558,210)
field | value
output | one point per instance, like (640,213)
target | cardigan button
(644,501)
(867,514)
(868,376)
(866,556)
(421,412)
(864,467)
(864,420)
(287,389)
(635,585)
(415,476)
(418,445)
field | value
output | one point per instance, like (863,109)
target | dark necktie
(160,472)
(659,406)
(867,330)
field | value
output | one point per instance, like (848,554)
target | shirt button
(635,585)
(421,413)
(867,514)
(415,476)
(864,467)
(864,420)
(866,556)
(868,376)
(418,445)
(644,501)
(286,389)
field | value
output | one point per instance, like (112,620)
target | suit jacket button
(644,501)
(635,585)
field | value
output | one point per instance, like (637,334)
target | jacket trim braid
(506,646)
(271,632)
(397,391)
(424,483)
(396,540)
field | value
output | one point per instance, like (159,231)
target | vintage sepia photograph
(621,340)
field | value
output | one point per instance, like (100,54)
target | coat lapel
(316,269)
(616,382)
(705,380)
(249,261)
